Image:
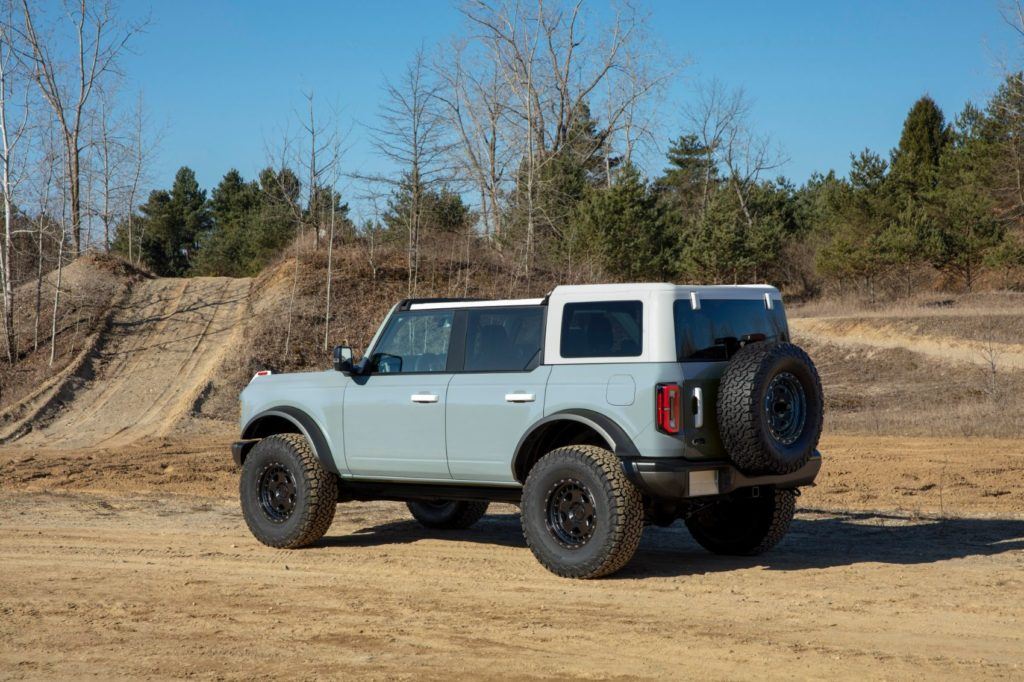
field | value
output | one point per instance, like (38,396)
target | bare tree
(555,71)
(413,136)
(60,268)
(714,115)
(139,156)
(110,150)
(475,102)
(49,162)
(69,88)
(336,154)
(321,162)
(10,135)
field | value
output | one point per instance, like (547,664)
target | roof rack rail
(407,303)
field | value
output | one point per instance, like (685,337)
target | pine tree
(175,223)
(229,247)
(626,226)
(915,161)
(963,229)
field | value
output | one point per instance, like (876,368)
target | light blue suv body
(464,397)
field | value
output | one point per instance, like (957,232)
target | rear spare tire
(770,408)
(447,514)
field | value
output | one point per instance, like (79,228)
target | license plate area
(701,483)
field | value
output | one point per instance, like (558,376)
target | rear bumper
(677,479)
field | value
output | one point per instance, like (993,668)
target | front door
(498,395)
(394,416)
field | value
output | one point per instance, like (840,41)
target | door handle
(698,408)
(424,398)
(520,397)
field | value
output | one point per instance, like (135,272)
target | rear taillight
(667,408)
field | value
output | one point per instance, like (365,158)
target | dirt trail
(163,346)
(824,330)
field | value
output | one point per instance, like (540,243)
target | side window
(415,341)
(503,339)
(609,329)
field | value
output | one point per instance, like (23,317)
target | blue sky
(826,78)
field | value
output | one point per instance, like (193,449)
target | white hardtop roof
(744,291)
(432,305)
(643,289)
(659,287)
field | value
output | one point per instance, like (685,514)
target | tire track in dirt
(165,344)
(943,348)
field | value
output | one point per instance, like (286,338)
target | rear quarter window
(706,334)
(602,329)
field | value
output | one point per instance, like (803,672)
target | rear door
(708,332)
(498,394)
(394,417)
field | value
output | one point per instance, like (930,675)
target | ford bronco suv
(597,409)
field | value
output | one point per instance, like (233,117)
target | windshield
(720,324)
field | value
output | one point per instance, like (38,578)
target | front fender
(269,422)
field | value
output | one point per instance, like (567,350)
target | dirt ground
(123,552)
(136,562)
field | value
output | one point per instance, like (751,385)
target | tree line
(531,136)
(946,201)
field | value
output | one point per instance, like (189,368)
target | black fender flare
(303,423)
(614,435)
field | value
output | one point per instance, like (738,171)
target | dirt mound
(153,363)
(983,341)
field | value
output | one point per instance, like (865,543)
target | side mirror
(342,358)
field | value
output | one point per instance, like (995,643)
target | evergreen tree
(442,212)
(861,212)
(915,161)
(685,185)
(626,226)
(229,247)
(175,222)
(963,227)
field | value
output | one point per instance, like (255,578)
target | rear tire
(744,526)
(288,498)
(447,514)
(581,516)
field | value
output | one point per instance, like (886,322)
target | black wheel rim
(785,408)
(277,493)
(571,515)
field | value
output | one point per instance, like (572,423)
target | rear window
(707,333)
(602,329)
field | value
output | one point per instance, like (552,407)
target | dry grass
(954,373)
(922,304)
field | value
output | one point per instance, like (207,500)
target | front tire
(743,526)
(582,518)
(447,514)
(288,498)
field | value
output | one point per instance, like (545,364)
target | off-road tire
(617,512)
(742,419)
(447,514)
(743,526)
(315,492)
